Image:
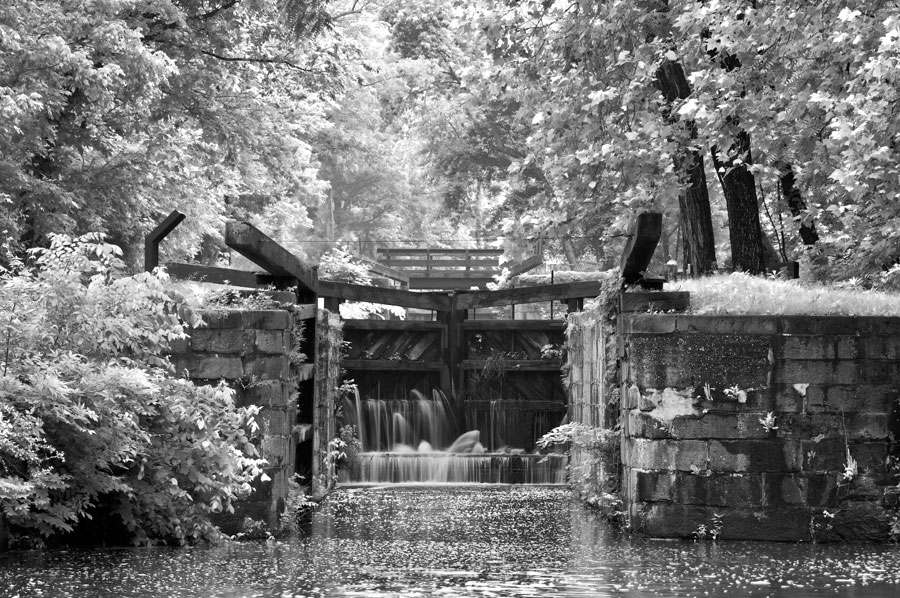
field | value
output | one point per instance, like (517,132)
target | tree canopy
(378,120)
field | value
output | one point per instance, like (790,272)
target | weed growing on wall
(593,474)
(93,421)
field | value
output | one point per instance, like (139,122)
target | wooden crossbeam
(439,251)
(356,292)
(550,292)
(405,325)
(516,268)
(155,237)
(238,278)
(456,283)
(492,263)
(513,325)
(391,365)
(247,240)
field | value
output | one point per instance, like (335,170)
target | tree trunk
(796,204)
(693,201)
(739,187)
(569,250)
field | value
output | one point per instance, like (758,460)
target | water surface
(499,541)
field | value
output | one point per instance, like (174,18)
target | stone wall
(252,352)
(756,427)
(594,403)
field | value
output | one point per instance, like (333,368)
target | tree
(116,112)
(93,421)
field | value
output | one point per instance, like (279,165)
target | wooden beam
(516,268)
(640,247)
(155,237)
(456,283)
(247,240)
(438,251)
(435,262)
(392,365)
(307,311)
(356,292)
(238,278)
(516,365)
(514,325)
(547,292)
(411,325)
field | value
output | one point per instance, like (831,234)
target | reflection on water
(459,541)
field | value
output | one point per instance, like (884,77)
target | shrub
(91,413)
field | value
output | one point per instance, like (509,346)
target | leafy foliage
(92,420)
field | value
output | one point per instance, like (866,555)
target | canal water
(497,541)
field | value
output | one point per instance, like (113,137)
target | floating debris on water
(500,541)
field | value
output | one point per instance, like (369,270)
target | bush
(91,413)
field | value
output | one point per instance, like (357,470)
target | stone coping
(758,324)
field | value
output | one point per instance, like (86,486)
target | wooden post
(640,247)
(155,237)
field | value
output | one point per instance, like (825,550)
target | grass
(740,293)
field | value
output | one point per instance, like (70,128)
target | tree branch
(258,59)
(215,11)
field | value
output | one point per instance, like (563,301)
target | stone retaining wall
(768,428)
(252,352)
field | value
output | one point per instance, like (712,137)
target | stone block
(855,426)
(275,450)
(739,325)
(214,367)
(822,347)
(179,345)
(638,424)
(682,361)
(265,393)
(631,395)
(790,399)
(650,486)
(218,340)
(879,347)
(818,325)
(267,367)
(821,489)
(648,324)
(787,524)
(812,372)
(738,456)
(862,521)
(275,422)
(877,326)
(891,498)
(223,318)
(719,425)
(683,455)
(272,342)
(779,489)
(830,454)
(843,398)
(879,372)
(719,490)
(266,319)
(754,399)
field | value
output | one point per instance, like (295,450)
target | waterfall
(417,440)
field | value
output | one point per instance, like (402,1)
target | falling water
(417,440)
